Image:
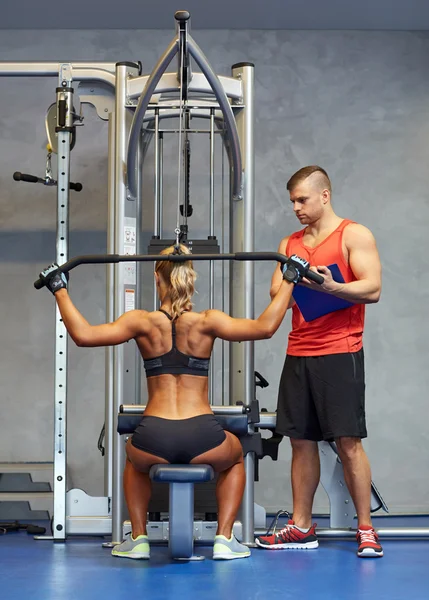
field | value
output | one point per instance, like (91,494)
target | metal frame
(228,102)
(68,74)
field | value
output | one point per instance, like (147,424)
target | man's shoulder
(356,232)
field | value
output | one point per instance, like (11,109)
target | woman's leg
(138,486)
(227,460)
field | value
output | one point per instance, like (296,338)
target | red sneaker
(289,537)
(368,542)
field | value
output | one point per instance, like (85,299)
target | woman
(178,424)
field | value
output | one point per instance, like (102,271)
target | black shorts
(178,441)
(322,397)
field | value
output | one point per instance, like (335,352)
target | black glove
(53,278)
(295,268)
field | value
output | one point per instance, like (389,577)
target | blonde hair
(180,277)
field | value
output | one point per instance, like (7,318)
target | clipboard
(314,304)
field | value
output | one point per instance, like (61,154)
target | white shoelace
(367,536)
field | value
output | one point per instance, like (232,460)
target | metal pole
(156,232)
(109,417)
(161,181)
(211,235)
(65,125)
(242,366)
(123,71)
(156,225)
(384,533)
(139,216)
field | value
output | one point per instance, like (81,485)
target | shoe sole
(369,553)
(135,556)
(306,546)
(230,556)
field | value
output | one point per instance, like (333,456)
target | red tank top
(339,331)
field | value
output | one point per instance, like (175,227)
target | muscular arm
(128,326)
(365,264)
(277,277)
(228,328)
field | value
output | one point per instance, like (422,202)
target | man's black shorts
(322,397)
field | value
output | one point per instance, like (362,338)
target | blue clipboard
(314,304)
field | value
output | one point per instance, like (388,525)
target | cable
(180,153)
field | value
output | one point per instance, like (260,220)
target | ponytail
(180,277)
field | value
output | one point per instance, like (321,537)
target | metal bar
(97,259)
(109,416)
(82,71)
(174,112)
(199,84)
(242,297)
(156,228)
(49,68)
(123,71)
(183,131)
(161,181)
(150,86)
(230,124)
(212,151)
(137,409)
(384,533)
(139,216)
(211,234)
(266,420)
(222,249)
(64,94)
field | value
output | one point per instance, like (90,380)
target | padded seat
(181,479)
(181,473)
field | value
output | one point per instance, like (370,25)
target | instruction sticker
(130,277)
(130,300)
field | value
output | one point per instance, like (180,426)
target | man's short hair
(304,173)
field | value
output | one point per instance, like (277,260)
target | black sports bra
(175,362)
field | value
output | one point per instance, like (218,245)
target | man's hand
(329,285)
(53,278)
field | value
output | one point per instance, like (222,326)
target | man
(321,393)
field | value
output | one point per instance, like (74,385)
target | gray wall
(354,102)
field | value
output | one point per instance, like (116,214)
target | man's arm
(277,277)
(365,264)
(127,327)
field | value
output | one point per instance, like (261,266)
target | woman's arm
(277,275)
(127,327)
(221,325)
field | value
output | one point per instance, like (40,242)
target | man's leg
(357,474)
(305,479)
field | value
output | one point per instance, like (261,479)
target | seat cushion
(181,473)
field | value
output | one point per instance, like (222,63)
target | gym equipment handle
(28,178)
(95,259)
(77,187)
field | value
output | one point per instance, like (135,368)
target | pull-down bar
(95,259)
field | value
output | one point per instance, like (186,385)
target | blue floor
(81,569)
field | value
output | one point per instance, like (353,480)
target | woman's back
(172,395)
